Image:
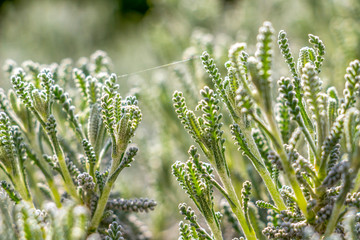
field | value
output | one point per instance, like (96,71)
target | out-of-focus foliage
(52,30)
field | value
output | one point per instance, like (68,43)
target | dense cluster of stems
(34,121)
(294,141)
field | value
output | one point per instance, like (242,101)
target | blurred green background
(140,34)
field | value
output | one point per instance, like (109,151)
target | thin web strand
(159,67)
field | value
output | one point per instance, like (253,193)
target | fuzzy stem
(31,181)
(271,186)
(290,175)
(307,135)
(266,130)
(23,190)
(99,142)
(217,159)
(216,231)
(338,207)
(55,193)
(348,183)
(254,156)
(357,184)
(206,209)
(101,205)
(289,171)
(246,227)
(92,170)
(14,118)
(49,178)
(320,139)
(102,153)
(96,219)
(69,184)
(221,190)
(304,115)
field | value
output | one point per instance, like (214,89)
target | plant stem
(305,118)
(289,171)
(290,175)
(214,229)
(307,135)
(320,138)
(99,142)
(69,184)
(55,193)
(101,205)
(254,156)
(237,209)
(92,170)
(23,190)
(96,219)
(274,193)
(49,178)
(102,153)
(346,188)
(338,207)
(357,184)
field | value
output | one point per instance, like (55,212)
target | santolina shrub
(79,151)
(305,146)
(66,136)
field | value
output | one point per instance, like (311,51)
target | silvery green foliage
(304,143)
(64,139)
(69,222)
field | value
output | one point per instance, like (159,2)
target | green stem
(217,159)
(265,175)
(23,190)
(49,178)
(32,180)
(290,175)
(29,122)
(357,184)
(101,205)
(338,207)
(69,184)
(55,193)
(14,118)
(254,219)
(271,186)
(306,120)
(244,81)
(237,210)
(289,171)
(92,169)
(320,138)
(255,157)
(39,140)
(216,231)
(102,154)
(307,135)
(266,130)
(339,204)
(222,191)
(99,142)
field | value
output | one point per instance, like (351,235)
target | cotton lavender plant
(303,143)
(61,152)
